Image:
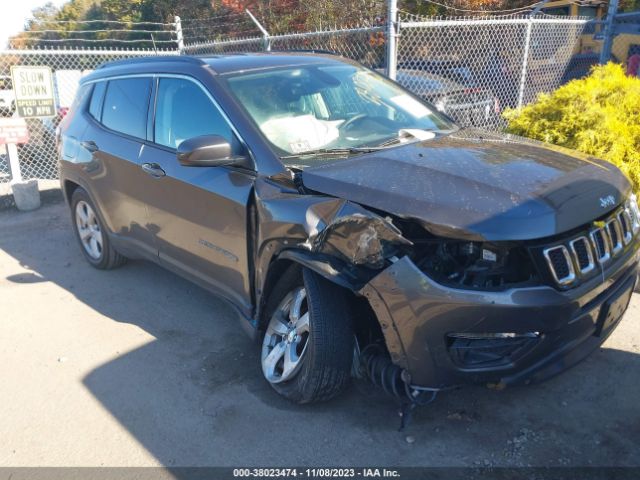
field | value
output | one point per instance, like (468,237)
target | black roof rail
(154,59)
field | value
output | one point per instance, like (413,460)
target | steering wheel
(345,126)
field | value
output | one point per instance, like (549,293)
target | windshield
(310,108)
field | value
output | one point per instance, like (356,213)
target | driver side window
(185,111)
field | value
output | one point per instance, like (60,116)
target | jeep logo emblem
(608,201)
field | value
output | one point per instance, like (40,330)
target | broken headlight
(475,265)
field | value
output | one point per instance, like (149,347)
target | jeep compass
(355,229)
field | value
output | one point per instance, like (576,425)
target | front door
(198,215)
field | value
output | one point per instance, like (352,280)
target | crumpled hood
(478,186)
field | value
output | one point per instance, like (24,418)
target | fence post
(605,53)
(179,35)
(14,163)
(265,34)
(525,63)
(392,34)
(527,48)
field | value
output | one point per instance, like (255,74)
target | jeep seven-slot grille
(560,263)
(580,255)
(600,244)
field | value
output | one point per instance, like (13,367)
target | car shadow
(195,396)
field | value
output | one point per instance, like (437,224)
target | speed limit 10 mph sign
(33,88)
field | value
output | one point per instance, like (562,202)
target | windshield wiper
(405,136)
(334,151)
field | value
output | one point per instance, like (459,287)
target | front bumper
(417,316)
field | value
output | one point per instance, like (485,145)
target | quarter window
(126,105)
(95,107)
(185,111)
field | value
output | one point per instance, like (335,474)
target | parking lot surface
(138,367)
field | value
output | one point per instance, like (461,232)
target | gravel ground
(137,367)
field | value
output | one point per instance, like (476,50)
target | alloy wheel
(285,341)
(89,230)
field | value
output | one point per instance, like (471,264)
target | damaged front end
(433,312)
(347,244)
(356,248)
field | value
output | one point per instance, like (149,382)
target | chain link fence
(472,69)
(366,45)
(38,157)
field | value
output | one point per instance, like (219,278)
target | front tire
(91,234)
(307,350)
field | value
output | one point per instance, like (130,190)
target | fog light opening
(489,349)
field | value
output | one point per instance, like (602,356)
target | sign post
(33,89)
(14,131)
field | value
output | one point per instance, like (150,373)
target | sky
(12,18)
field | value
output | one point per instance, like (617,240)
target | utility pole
(392,38)
(609,24)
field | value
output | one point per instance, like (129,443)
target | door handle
(153,169)
(90,145)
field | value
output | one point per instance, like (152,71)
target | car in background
(7,97)
(467,105)
(455,70)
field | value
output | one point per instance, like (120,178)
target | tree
(206,20)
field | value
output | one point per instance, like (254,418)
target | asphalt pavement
(138,367)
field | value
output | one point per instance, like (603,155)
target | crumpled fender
(351,233)
(352,241)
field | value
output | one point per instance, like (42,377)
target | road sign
(33,88)
(13,130)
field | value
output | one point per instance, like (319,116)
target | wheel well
(276,270)
(69,188)
(366,324)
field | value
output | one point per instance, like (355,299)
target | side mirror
(207,151)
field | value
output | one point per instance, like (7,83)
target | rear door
(198,215)
(116,132)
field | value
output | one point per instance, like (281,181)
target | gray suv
(356,230)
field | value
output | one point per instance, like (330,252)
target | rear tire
(91,234)
(319,348)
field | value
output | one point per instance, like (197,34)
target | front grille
(582,253)
(601,244)
(625,224)
(615,235)
(578,256)
(561,265)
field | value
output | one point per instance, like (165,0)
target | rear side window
(126,104)
(79,102)
(185,111)
(95,107)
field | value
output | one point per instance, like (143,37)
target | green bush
(598,115)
